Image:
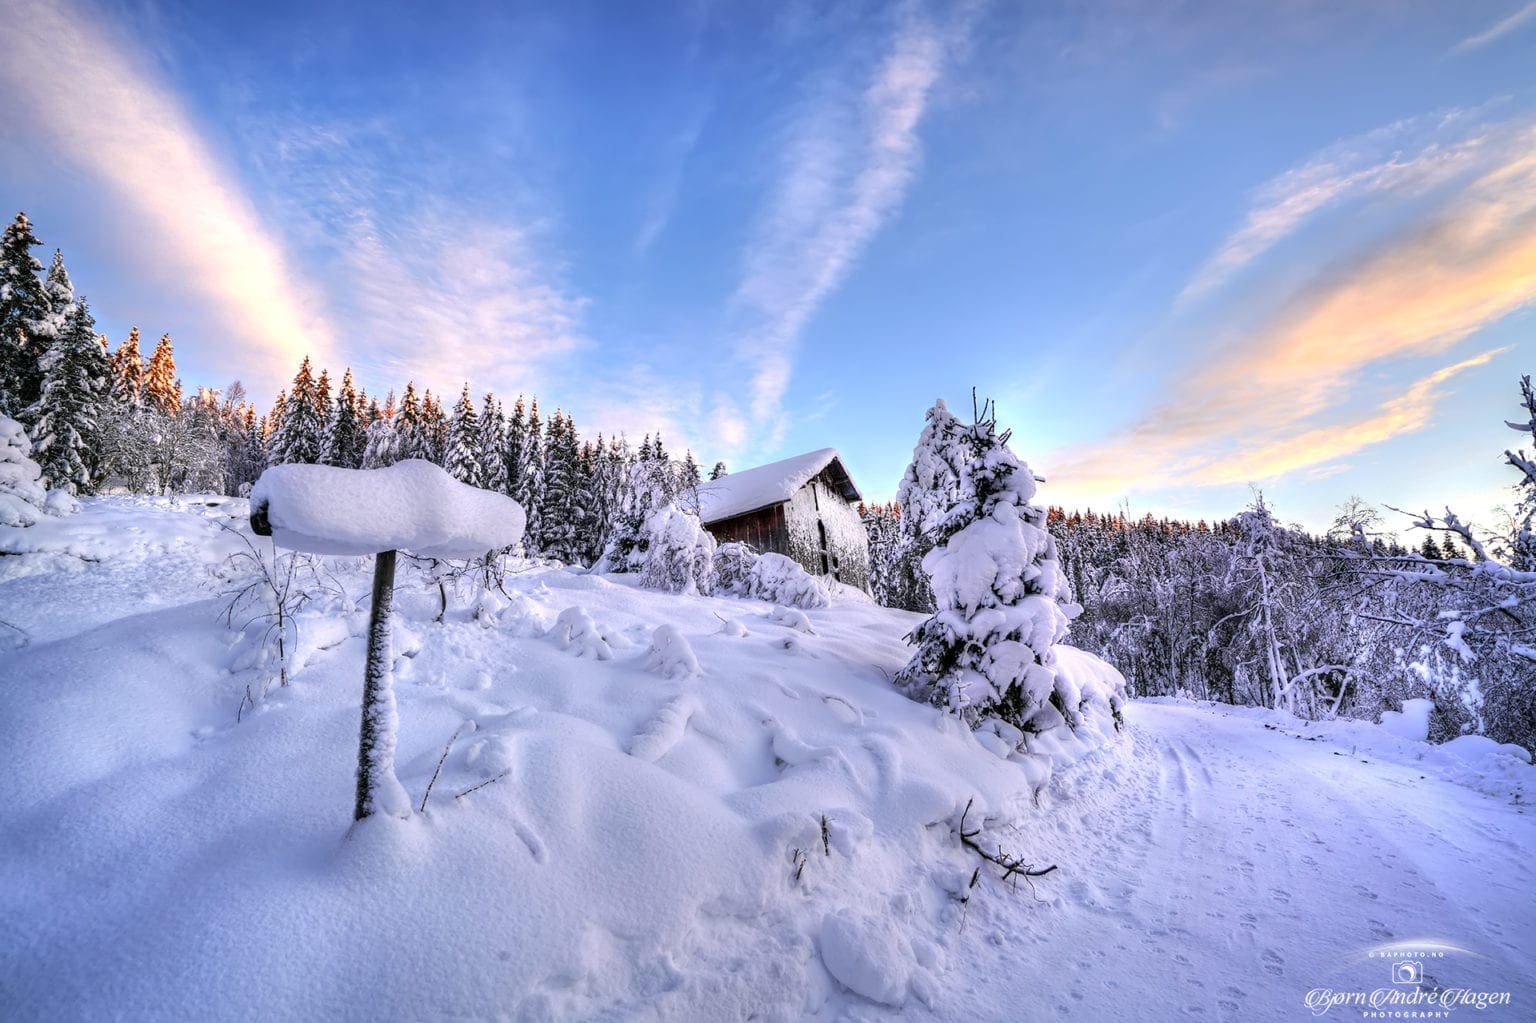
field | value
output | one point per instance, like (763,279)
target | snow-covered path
(670,844)
(1243,866)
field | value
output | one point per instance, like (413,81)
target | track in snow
(1219,870)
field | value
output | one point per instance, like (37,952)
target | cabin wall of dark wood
(764,530)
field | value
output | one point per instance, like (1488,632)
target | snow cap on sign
(412,506)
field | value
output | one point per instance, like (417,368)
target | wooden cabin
(803,507)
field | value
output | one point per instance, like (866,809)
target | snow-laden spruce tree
(22,494)
(1000,593)
(928,490)
(26,323)
(491,445)
(345,435)
(462,457)
(300,432)
(76,376)
(162,389)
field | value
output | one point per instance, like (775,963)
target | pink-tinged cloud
(82,95)
(1282,395)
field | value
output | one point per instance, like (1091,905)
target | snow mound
(791,618)
(670,654)
(664,731)
(867,956)
(1412,722)
(412,505)
(575,629)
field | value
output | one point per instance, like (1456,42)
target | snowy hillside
(673,807)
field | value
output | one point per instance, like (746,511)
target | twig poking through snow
(1011,866)
(503,774)
(441,760)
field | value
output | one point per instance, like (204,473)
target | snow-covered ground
(688,808)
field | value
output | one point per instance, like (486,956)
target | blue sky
(1189,248)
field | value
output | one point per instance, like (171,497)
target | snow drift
(645,810)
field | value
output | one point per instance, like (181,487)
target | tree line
(102,419)
(1250,611)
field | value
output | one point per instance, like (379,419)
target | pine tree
(561,514)
(346,434)
(382,446)
(461,457)
(648,485)
(66,415)
(324,411)
(929,489)
(413,439)
(530,494)
(718,472)
(491,445)
(26,320)
(1000,594)
(298,433)
(247,456)
(435,425)
(162,391)
(517,452)
(128,372)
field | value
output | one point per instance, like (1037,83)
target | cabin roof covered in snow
(412,505)
(751,489)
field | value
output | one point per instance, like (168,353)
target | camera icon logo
(1407,973)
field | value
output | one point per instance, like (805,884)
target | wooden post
(378,698)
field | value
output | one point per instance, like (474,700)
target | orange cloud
(1282,397)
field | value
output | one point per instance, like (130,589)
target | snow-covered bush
(733,565)
(679,552)
(1001,598)
(743,572)
(22,496)
(775,578)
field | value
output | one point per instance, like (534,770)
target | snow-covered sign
(413,505)
(751,489)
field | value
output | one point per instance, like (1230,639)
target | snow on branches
(1002,601)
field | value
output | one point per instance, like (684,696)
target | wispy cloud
(1284,394)
(430,287)
(847,164)
(1347,170)
(443,298)
(83,96)
(1496,31)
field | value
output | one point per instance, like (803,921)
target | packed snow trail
(1244,865)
